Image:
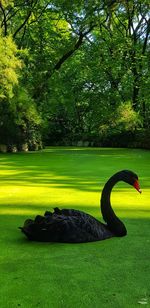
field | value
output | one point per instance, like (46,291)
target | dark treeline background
(74,73)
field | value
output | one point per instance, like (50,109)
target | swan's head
(131,178)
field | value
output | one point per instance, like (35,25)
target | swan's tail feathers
(27,228)
(42,228)
(57,211)
(48,214)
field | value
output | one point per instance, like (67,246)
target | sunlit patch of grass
(112,273)
(70,177)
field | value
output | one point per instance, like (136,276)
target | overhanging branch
(4,19)
(69,53)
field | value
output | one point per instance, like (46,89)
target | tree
(9,66)
(19,119)
(82,62)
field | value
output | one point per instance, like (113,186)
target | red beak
(137,186)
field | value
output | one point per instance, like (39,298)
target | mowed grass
(112,273)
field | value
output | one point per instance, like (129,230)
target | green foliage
(20,121)
(121,128)
(81,63)
(9,66)
(6,3)
(25,109)
(124,119)
(127,118)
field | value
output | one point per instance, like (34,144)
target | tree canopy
(74,72)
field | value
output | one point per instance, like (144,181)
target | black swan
(73,226)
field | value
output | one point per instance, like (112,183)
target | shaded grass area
(111,273)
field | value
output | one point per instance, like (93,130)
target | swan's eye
(137,186)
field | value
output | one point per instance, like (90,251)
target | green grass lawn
(112,273)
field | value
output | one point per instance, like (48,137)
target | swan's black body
(73,226)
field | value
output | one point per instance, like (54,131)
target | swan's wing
(77,228)
(44,229)
(66,212)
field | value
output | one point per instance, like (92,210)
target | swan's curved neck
(114,223)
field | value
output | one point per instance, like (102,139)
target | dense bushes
(122,128)
(20,123)
(131,139)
